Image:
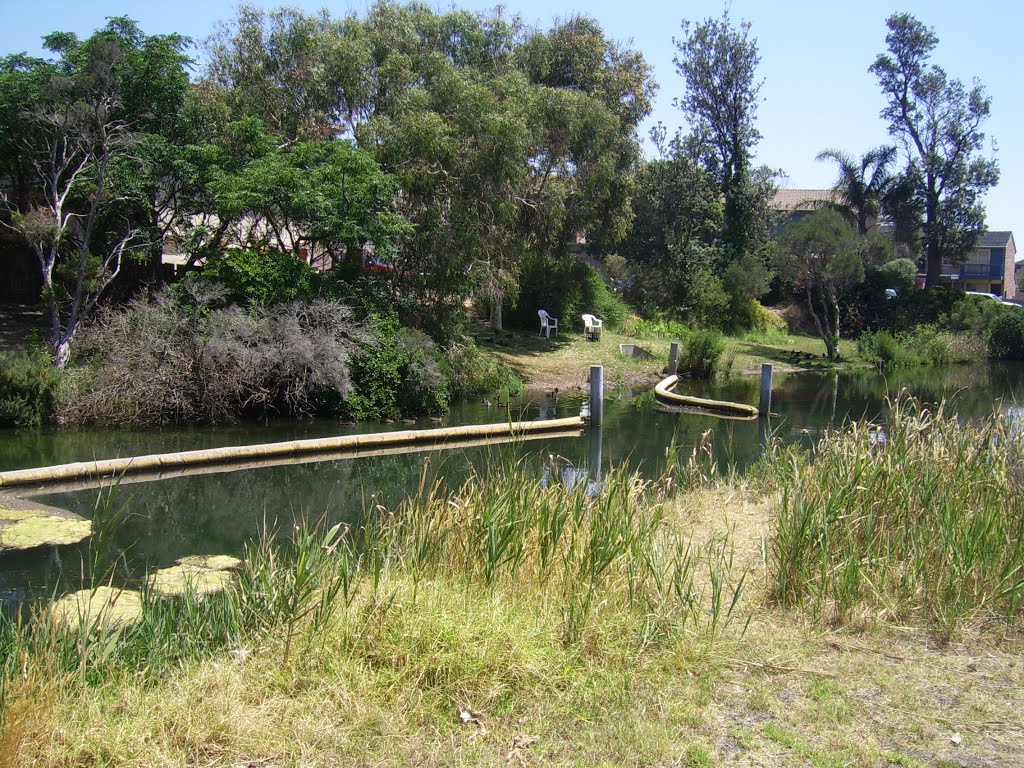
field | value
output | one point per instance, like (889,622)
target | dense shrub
(400,375)
(977,314)
(701,354)
(566,288)
(899,274)
(924,345)
(763,320)
(470,372)
(1006,341)
(706,302)
(883,350)
(28,388)
(263,277)
(182,357)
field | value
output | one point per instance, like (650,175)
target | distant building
(796,204)
(988,269)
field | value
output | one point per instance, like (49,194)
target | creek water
(218,513)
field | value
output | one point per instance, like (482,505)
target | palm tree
(864,186)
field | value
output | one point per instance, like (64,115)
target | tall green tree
(75,147)
(719,65)
(504,140)
(823,257)
(250,190)
(939,122)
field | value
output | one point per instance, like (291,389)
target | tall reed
(919,520)
(568,548)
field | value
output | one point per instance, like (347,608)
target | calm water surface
(218,513)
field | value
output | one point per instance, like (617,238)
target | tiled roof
(993,239)
(802,199)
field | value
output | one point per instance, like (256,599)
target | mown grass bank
(514,620)
(564,361)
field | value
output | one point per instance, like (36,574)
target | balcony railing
(977,271)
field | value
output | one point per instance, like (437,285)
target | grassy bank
(690,621)
(564,361)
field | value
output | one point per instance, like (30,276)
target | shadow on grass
(520,342)
(795,358)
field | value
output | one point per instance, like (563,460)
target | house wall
(1009,270)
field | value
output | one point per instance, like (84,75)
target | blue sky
(817,91)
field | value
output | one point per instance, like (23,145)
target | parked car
(991,296)
(375,266)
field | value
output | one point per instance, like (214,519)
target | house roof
(802,199)
(995,239)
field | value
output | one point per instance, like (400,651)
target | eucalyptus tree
(719,65)
(939,121)
(503,139)
(77,125)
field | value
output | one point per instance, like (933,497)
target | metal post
(594,462)
(596,395)
(765,407)
(673,359)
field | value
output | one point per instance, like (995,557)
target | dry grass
(388,682)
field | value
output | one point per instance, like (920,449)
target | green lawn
(564,361)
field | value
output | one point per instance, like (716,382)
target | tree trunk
(933,262)
(496,315)
(62,353)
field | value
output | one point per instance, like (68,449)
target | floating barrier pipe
(89,483)
(157,463)
(663,392)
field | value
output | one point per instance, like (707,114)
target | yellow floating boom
(360,444)
(663,391)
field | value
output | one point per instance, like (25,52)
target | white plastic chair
(547,323)
(592,327)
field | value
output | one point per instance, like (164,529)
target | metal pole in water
(596,395)
(766,389)
(673,359)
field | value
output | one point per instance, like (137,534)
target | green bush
(883,350)
(701,354)
(263,277)
(566,288)
(398,376)
(707,302)
(765,321)
(28,388)
(924,345)
(1006,341)
(899,274)
(977,314)
(471,372)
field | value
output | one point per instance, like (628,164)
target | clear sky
(815,54)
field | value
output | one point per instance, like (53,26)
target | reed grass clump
(565,563)
(920,521)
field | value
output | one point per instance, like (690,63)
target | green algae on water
(211,562)
(27,524)
(177,579)
(103,607)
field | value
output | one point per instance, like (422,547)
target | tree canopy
(939,122)
(77,128)
(719,65)
(504,140)
(823,256)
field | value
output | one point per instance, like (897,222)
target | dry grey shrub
(180,356)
